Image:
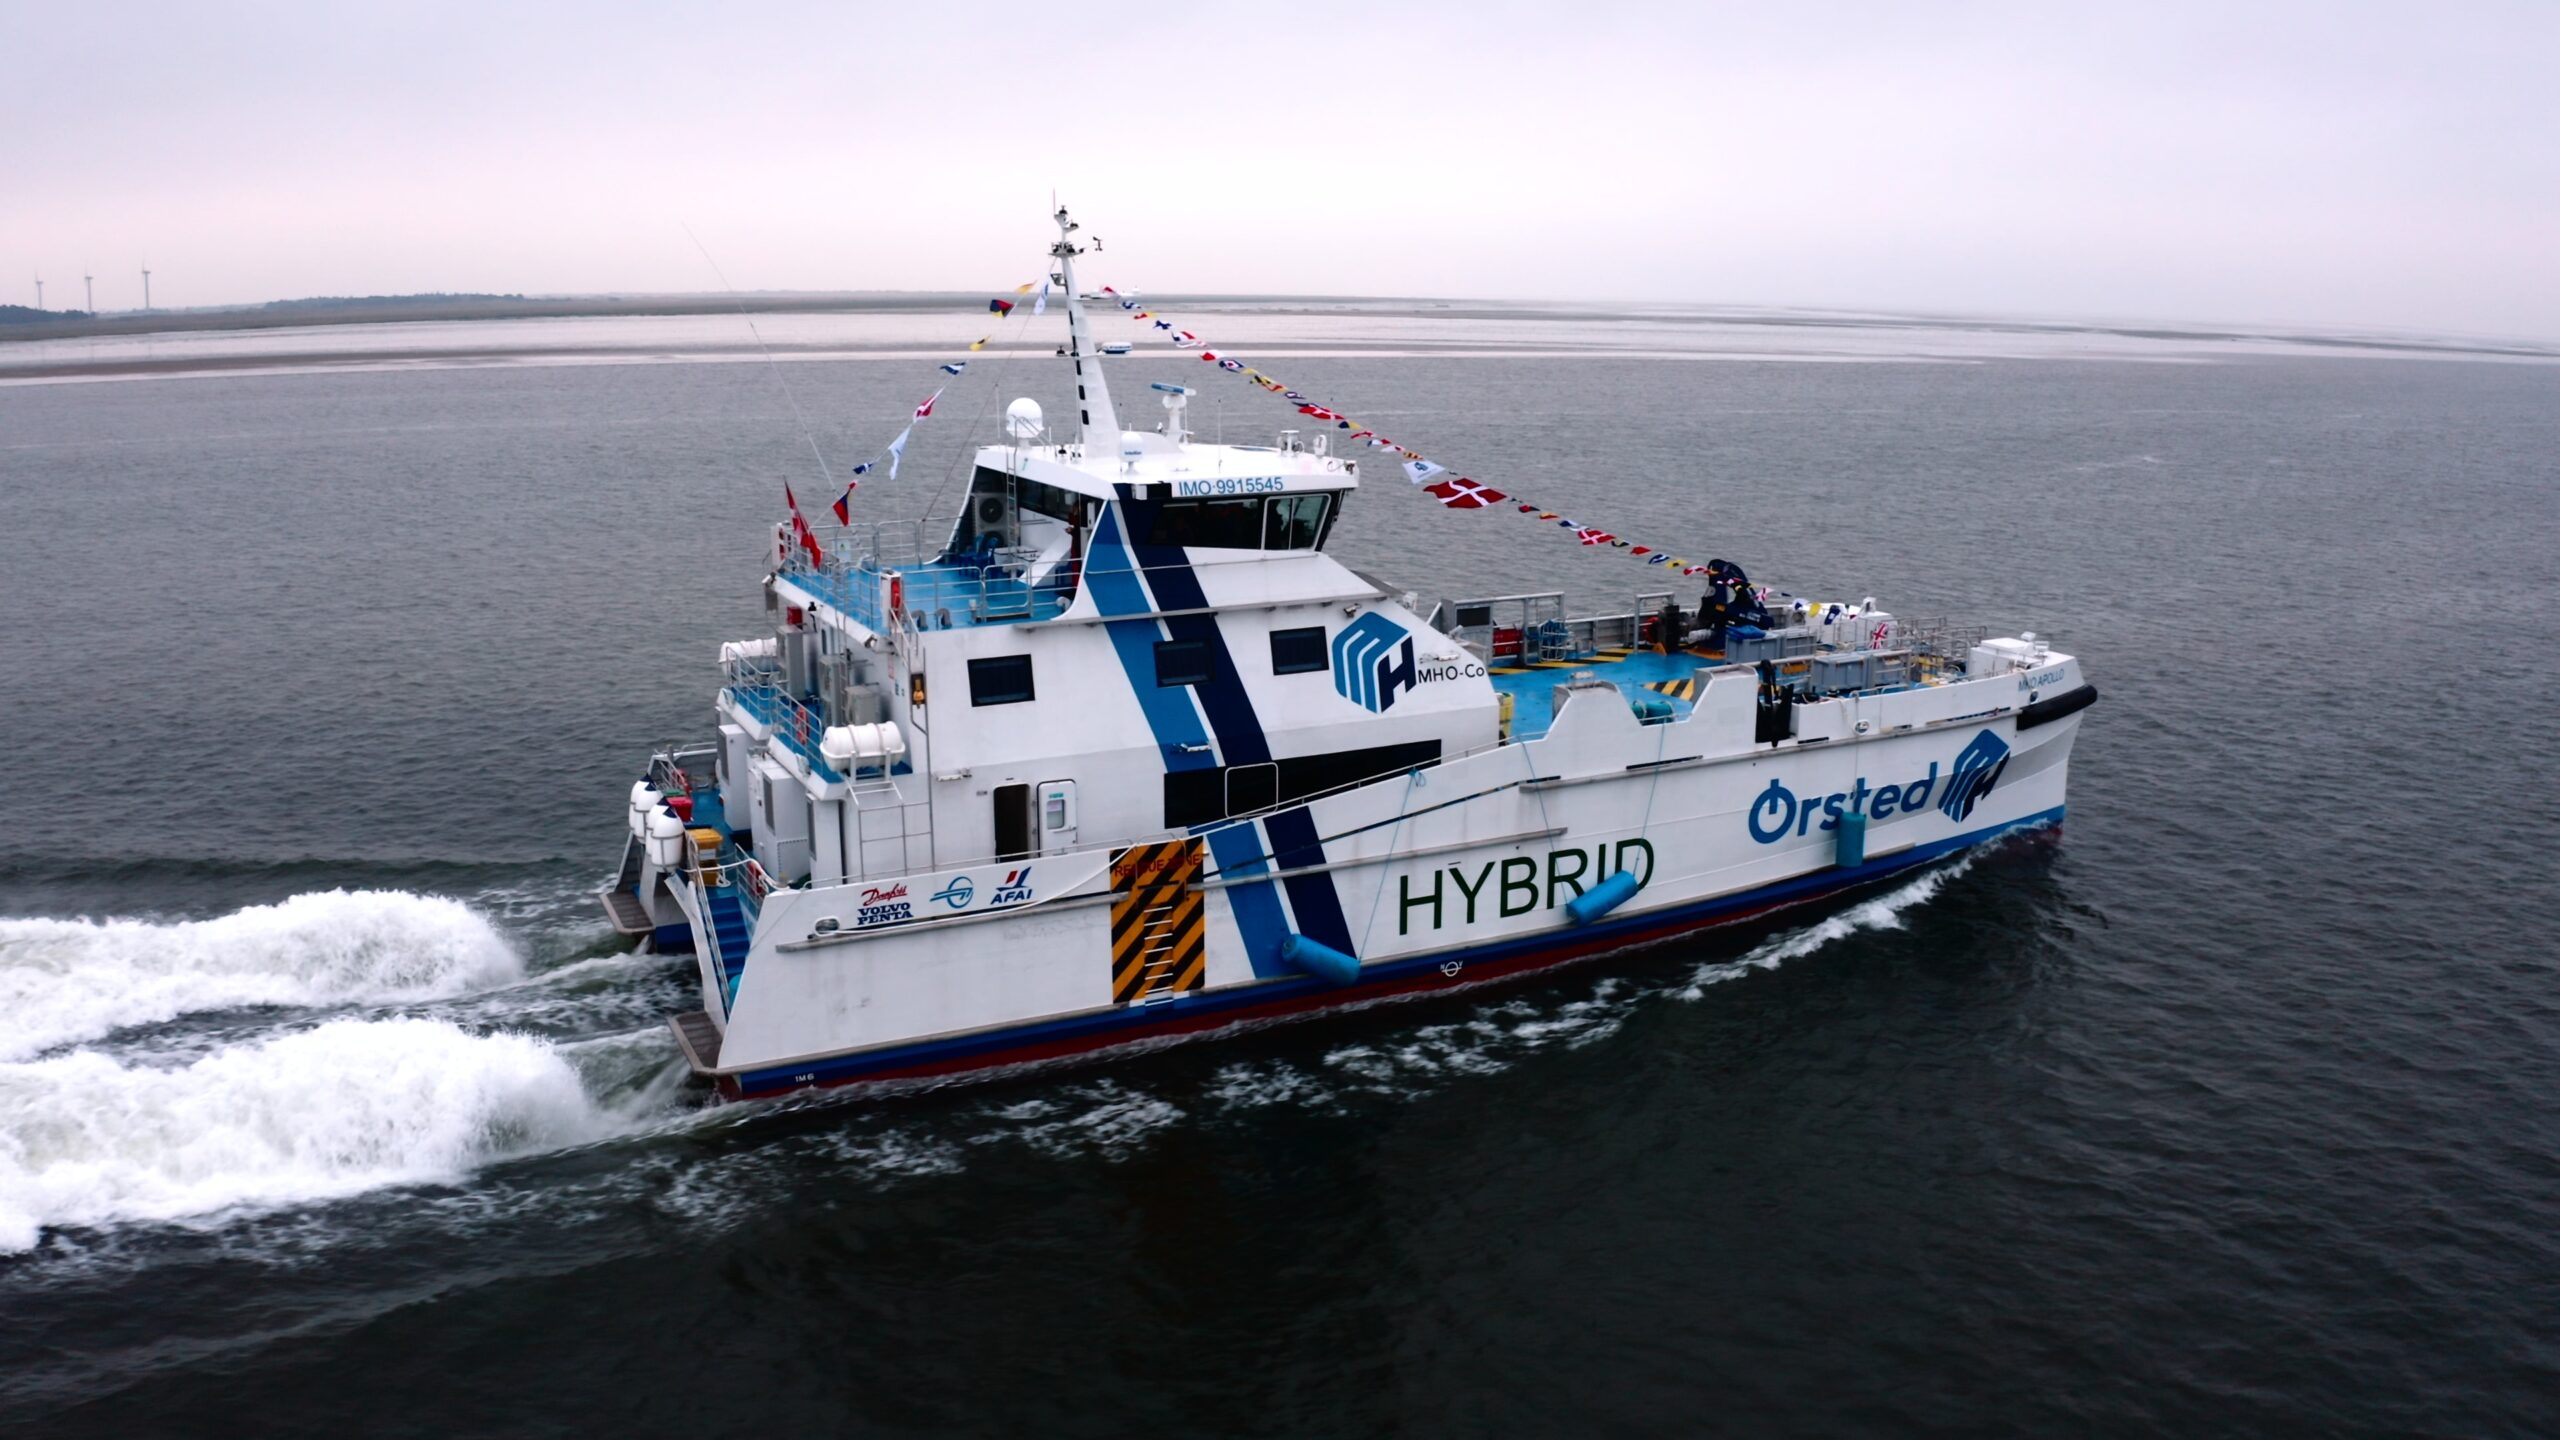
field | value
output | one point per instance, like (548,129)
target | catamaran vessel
(1123,754)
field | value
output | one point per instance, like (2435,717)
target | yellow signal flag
(981,342)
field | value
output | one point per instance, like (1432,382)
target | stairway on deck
(729,929)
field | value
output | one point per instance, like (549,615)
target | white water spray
(347,1106)
(68,980)
(1884,912)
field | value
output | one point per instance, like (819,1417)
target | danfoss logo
(1373,662)
(1780,812)
(876,897)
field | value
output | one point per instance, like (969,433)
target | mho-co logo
(1373,662)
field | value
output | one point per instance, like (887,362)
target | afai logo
(1977,770)
(1373,661)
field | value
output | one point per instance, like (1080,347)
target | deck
(948,594)
(1532,687)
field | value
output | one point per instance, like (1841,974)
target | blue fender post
(1320,960)
(1853,840)
(1602,898)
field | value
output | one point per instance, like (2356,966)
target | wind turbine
(89,290)
(146,287)
(39,292)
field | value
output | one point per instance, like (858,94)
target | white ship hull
(1450,876)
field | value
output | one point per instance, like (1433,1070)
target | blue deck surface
(950,595)
(1533,690)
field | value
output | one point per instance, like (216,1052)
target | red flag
(844,503)
(1318,411)
(1466,494)
(800,530)
(926,408)
(1590,536)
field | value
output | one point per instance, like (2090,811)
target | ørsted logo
(1373,662)
(1977,770)
(1780,812)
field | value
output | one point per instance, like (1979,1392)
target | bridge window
(1295,652)
(1000,680)
(1031,495)
(1199,797)
(1282,522)
(1294,522)
(1184,662)
(1211,524)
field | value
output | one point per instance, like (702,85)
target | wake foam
(68,980)
(1884,912)
(321,1113)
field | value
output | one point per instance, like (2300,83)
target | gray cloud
(2382,165)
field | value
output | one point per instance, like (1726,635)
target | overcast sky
(2394,165)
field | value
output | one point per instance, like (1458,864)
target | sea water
(329,1103)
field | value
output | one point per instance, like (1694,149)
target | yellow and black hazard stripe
(1676,689)
(1159,921)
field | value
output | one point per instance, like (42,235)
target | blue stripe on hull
(1129,1023)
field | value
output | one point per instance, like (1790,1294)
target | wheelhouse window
(1000,680)
(1184,662)
(1216,792)
(1001,506)
(1276,522)
(1031,495)
(1223,524)
(1295,522)
(1295,652)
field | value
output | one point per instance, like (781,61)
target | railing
(800,727)
(674,771)
(1938,647)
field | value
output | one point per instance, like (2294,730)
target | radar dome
(1023,420)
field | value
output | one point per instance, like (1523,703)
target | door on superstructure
(1057,816)
(1016,826)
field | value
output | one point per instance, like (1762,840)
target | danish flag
(1465,494)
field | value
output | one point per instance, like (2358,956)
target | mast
(1093,396)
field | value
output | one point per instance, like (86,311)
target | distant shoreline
(399,310)
(460,345)
(539,307)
